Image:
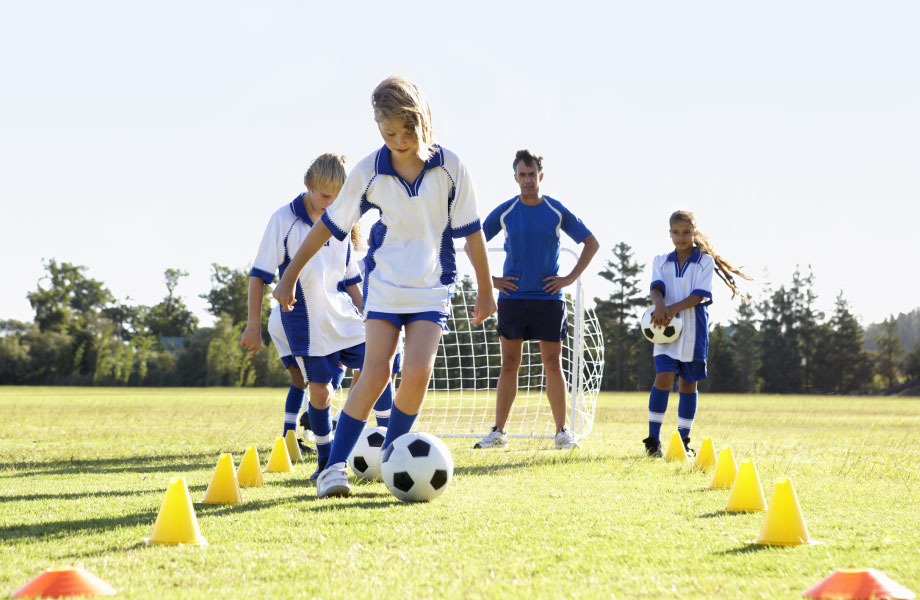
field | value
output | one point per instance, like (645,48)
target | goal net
(461,394)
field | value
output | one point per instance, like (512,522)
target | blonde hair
(327,172)
(399,100)
(724,269)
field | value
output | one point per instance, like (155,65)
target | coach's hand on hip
(554,283)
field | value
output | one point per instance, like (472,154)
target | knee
(664,380)
(511,366)
(552,364)
(375,375)
(320,394)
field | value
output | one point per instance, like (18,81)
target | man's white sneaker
(565,440)
(493,439)
(333,481)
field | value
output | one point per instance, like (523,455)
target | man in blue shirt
(530,304)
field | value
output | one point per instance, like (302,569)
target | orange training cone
(676,450)
(724,476)
(250,472)
(858,584)
(784,525)
(278,460)
(176,522)
(293,447)
(706,457)
(224,487)
(747,493)
(67,581)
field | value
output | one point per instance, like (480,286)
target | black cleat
(305,420)
(652,447)
(304,449)
(320,465)
(690,451)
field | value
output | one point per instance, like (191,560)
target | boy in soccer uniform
(682,284)
(325,331)
(530,304)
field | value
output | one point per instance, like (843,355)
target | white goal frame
(461,394)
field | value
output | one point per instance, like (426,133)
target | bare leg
(422,339)
(551,355)
(378,360)
(507,388)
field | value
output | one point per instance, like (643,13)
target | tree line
(778,343)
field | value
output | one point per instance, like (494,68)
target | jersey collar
(695,257)
(300,210)
(385,161)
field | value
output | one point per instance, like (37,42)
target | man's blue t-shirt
(532,242)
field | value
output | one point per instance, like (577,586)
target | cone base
(153,542)
(805,543)
(743,510)
(213,502)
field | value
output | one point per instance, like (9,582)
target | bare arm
(284,291)
(252,335)
(664,313)
(354,292)
(485,301)
(554,284)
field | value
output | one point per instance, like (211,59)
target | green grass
(83,472)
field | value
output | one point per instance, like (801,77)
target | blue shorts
(326,369)
(400,320)
(397,363)
(688,371)
(523,319)
(288,361)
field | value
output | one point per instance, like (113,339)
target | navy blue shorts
(523,319)
(326,369)
(400,320)
(688,371)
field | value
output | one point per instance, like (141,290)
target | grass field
(83,473)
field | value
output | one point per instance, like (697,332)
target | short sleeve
(493,223)
(657,276)
(346,210)
(702,281)
(271,251)
(464,218)
(573,226)
(352,272)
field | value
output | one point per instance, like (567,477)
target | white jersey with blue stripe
(411,262)
(677,284)
(324,320)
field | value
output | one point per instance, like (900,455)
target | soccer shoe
(320,465)
(565,440)
(653,447)
(333,481)
(304,449)
(305,420)
(690,451)
(493,439)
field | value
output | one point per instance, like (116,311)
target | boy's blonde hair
(724,269)
(400,101)
(327,172)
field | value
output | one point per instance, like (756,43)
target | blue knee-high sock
(383,406)
(686,410)
(337,378)
(321,424)
(657,405)
(347,433)
(292,408)
(400,424)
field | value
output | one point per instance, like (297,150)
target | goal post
(461,394)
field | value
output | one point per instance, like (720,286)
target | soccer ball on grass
(365,458)
(417,467)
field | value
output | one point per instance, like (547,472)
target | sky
(136,137)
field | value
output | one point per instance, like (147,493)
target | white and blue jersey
(532,242)
(677,284)
(411,262)
(324,320)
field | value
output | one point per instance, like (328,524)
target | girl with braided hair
(682,283)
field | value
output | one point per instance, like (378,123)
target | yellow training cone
(278,460)
(224,487)
(726,468)
(250,473)
(784,525)
(293,447)
(747,493)
(176,522)
(676,449)
(706,457)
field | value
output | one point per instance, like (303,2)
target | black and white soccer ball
(417,467)
(365,458)
(660,335)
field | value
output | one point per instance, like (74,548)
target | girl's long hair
(724,269)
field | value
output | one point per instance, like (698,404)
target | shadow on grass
(748,548)
(40,531)
(73,495)
(124,464)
